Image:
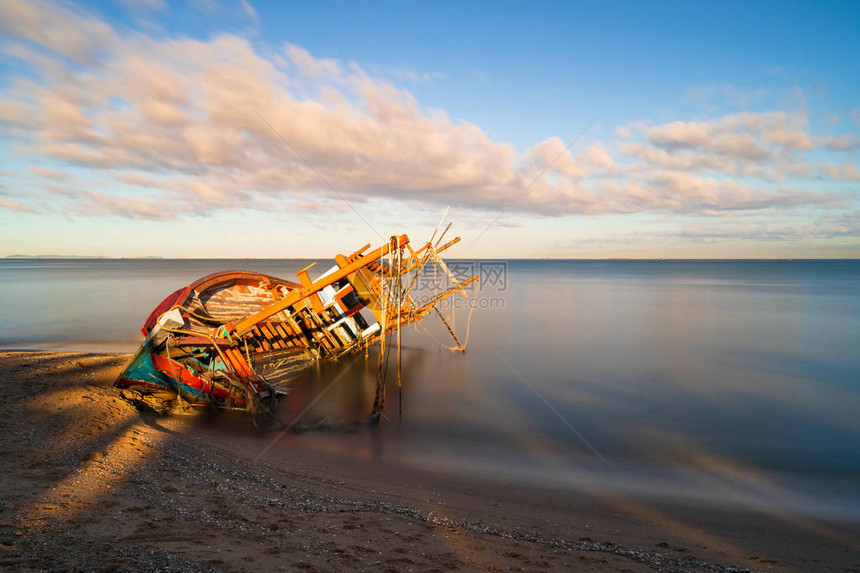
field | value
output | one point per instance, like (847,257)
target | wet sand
(88,483)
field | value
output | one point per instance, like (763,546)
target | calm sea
(725,381)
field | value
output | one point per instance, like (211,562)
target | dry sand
(88,483)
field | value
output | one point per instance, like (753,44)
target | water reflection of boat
(235,339)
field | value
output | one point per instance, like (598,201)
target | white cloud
(844,172)
(250,12)
(744,136)
(185,124)
(48,173)
(13,205)
(679,135)
(67,32)
(596,158)
(312,67)
(843,142)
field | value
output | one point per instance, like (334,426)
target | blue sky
(142,128)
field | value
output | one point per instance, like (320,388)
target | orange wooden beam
(294,296)
(305,281)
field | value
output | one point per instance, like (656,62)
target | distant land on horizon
(73,257)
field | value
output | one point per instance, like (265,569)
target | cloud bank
(174,126)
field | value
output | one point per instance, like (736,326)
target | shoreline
(87,481)
(85,348)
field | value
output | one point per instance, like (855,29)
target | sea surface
(726,382)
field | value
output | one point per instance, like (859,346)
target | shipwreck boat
(235,339)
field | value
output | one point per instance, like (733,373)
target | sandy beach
(89,483)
